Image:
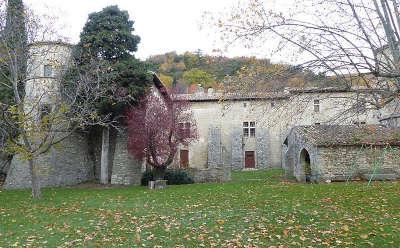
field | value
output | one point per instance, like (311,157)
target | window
(47,71)
(45,110)
(317,124)
(249,129)
(272,104)
(359,123)
(316,106)
(184,129)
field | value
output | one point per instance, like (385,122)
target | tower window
(316,106)
(47,71)
(45,110)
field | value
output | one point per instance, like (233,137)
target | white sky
(163,25)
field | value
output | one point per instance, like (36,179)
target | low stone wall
(214,174)
(340,163)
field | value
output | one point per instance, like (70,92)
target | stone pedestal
(158,184)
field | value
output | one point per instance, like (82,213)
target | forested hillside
(186,71)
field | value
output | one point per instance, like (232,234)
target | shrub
(173,177)
(176,177)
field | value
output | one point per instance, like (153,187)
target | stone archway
(305,163)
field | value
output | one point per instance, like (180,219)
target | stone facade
(274,114)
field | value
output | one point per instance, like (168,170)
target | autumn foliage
(157,126)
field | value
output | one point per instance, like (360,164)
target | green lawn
(256,209)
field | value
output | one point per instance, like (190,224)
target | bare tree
(353,42)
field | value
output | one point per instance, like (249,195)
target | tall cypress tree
(14,41)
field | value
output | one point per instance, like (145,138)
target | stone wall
(215,174)
(66,164)
(126,170)
(278,116)
(339,163)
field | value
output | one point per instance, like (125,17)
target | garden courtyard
(256,209)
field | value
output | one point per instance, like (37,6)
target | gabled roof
(348,135)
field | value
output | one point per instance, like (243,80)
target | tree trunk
(34,170)
(105,153)
(159,173)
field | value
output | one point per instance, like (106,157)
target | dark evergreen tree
(13,38)
(108,35)
(107,41)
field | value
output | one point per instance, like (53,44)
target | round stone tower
(68,162)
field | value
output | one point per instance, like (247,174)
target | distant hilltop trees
(188,70)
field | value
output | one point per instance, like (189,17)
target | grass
(256,209)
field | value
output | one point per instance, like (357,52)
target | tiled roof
(331,135)
(198,97)
(286,93)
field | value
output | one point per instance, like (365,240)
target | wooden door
(249,159)
(184,158)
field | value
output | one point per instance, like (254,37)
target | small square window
(47,71)
(252,124)
(245,124)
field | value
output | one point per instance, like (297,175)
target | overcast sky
(163,25)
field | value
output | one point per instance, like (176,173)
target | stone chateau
(304,131)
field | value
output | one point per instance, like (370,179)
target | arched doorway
(306,164)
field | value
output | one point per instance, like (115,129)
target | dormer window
(47,71)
